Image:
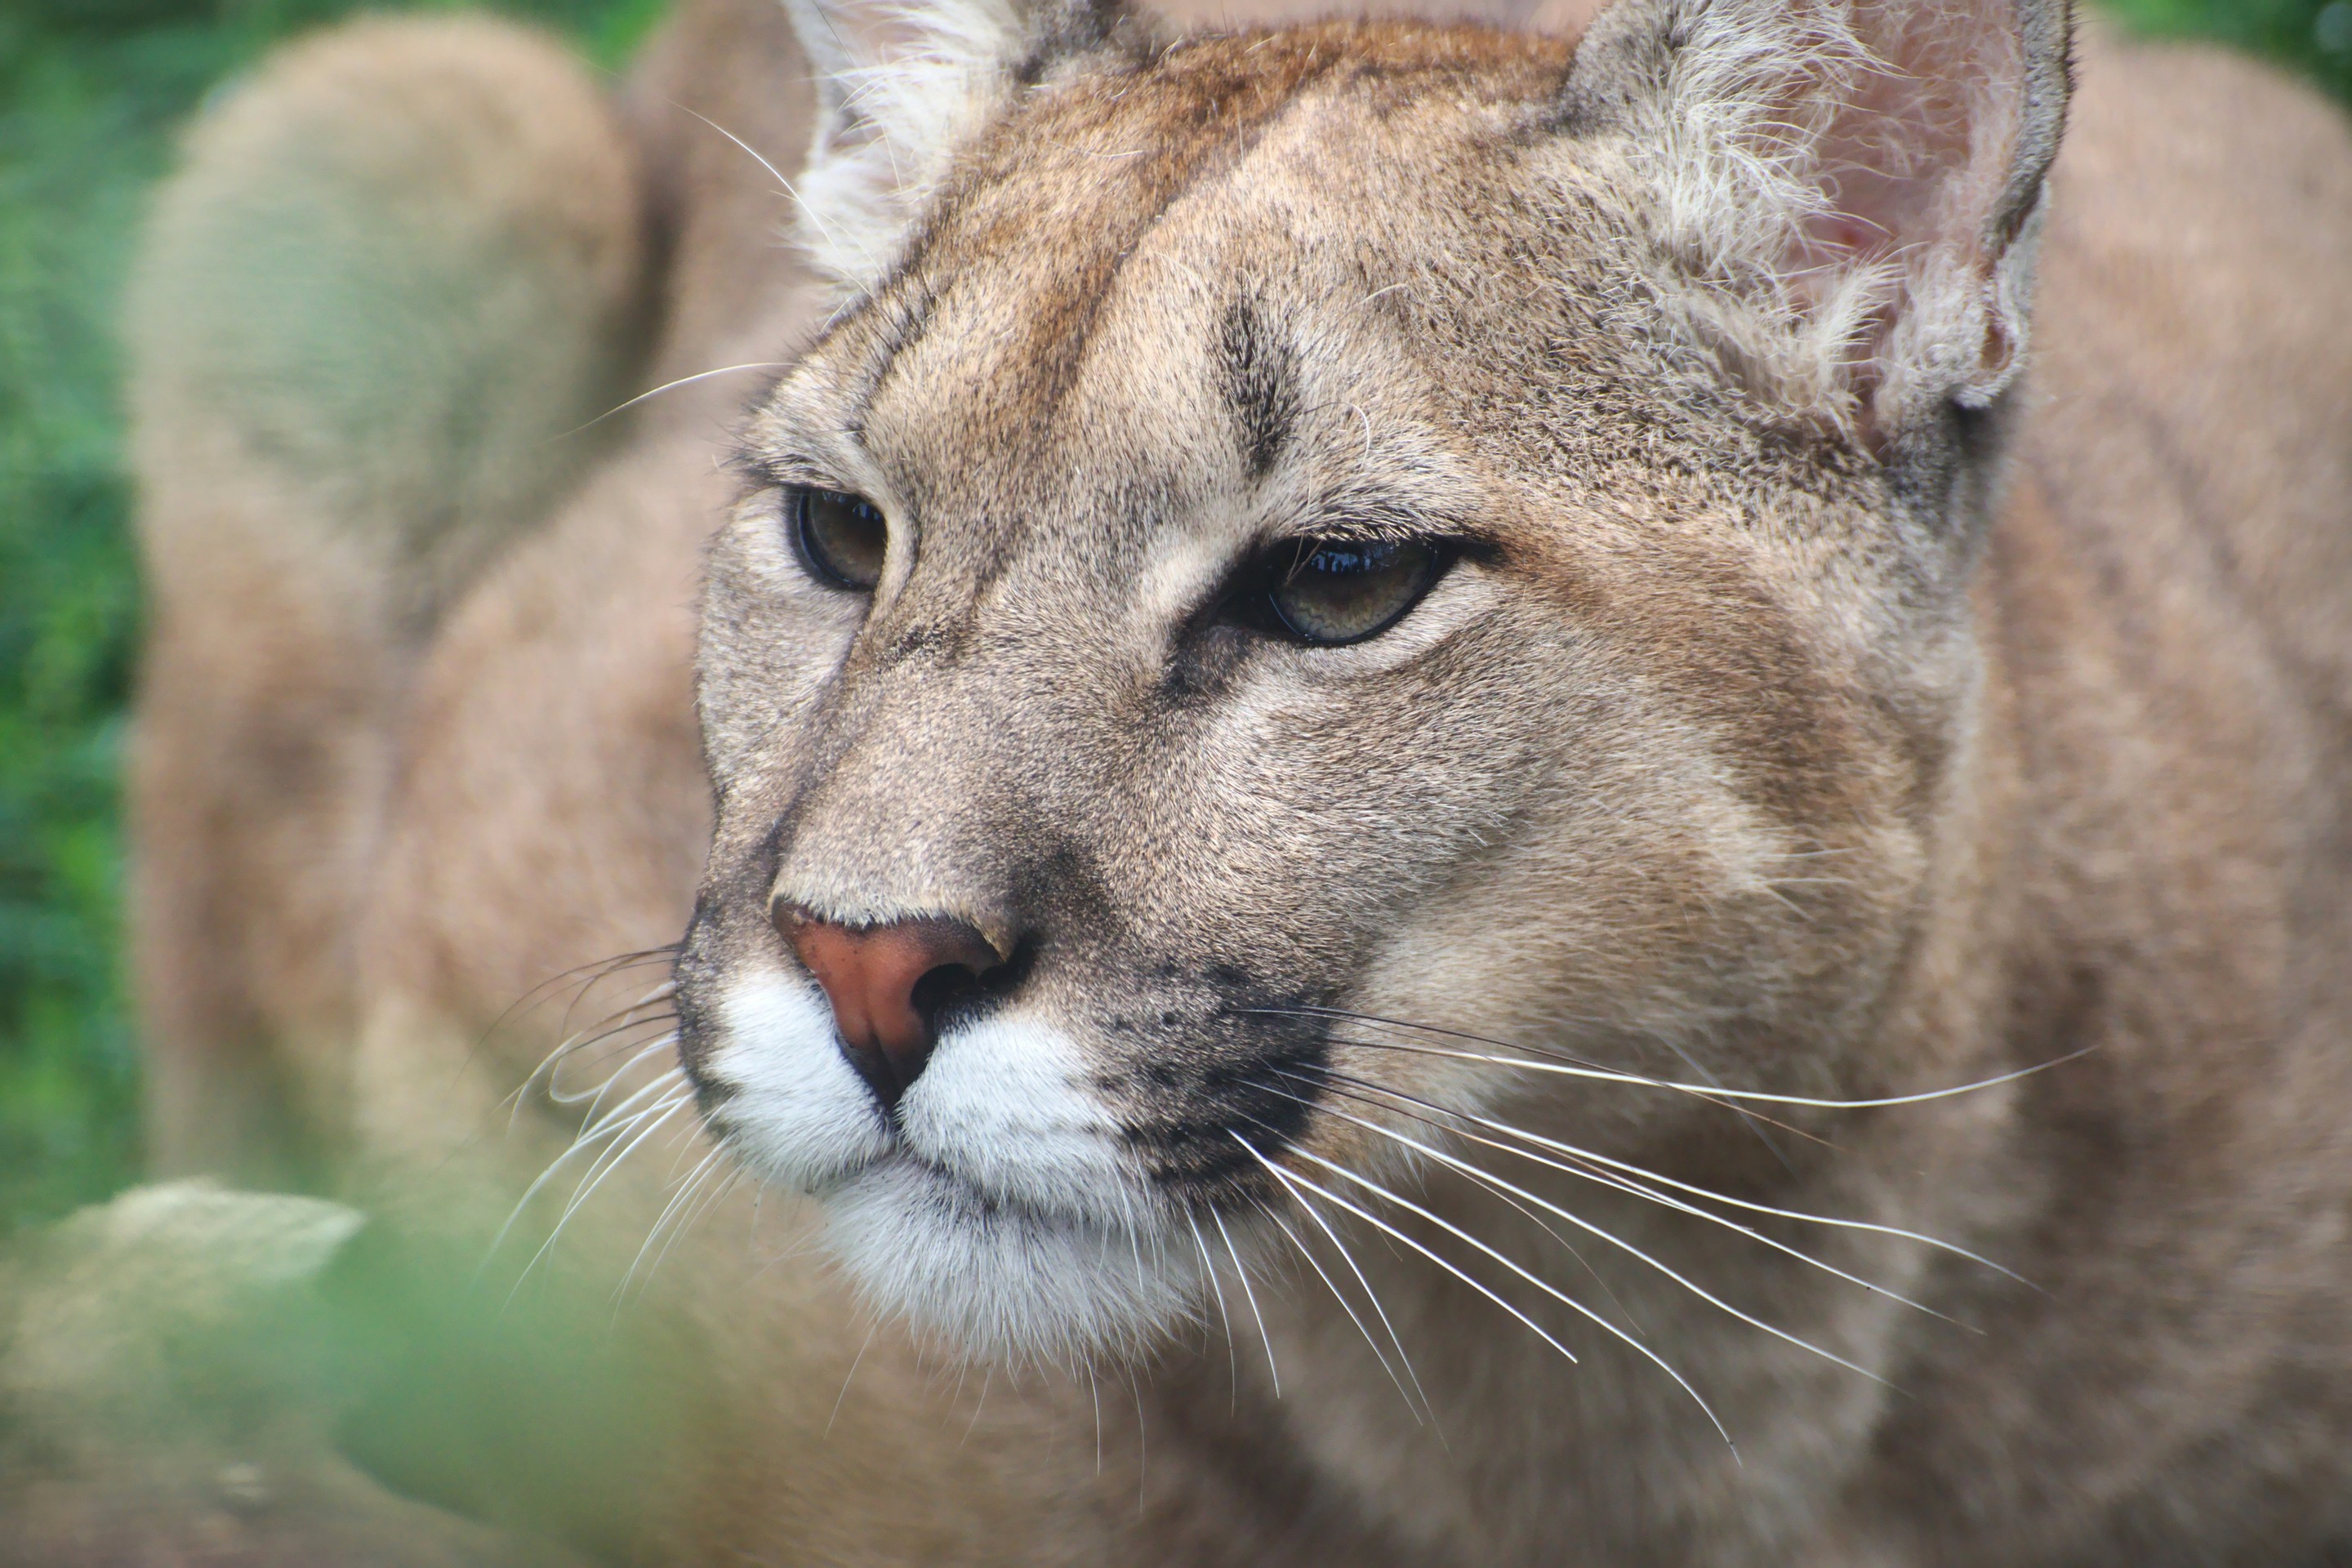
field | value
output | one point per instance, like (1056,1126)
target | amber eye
(842,538)
(1326,592)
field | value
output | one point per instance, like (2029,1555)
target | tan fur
(1772,792)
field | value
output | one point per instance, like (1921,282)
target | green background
(90,91)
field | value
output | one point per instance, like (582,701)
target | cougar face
(1289,604)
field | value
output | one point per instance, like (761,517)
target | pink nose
(874,977)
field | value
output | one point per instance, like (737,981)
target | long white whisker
(595,1098)
(1534,1279)
(1374,1297)
(1756,1096)
(715,1193)
(678,1202)
(593,972)
(1345,1305)
(1251,1295)
(1218,1289)
(852,1372)
(1526,1213)
(774,173)
(669,386)
(988,1376)
(603,1168)
(660,993)
(611,1025)
(1452,1163)
(623,1141)
(1095,1389)
(1578,1167)
(661,1085)
(1294,1180)
(1645,1174)
(586,1139)
(653,1007)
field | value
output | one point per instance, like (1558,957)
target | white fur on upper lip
(798,1111)
(999,1104)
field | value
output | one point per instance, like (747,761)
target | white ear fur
(901,84)
(1846,192)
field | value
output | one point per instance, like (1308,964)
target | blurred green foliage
(90,93)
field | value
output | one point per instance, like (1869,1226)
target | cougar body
(1828,690)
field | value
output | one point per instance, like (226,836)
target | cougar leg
(398,270)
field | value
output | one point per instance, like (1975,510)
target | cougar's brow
(1260,383)
(1065,323)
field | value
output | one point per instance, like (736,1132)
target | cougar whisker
(1529,1215)
(613,1025)
(1478,1173)
(588,1136)
(1345,1305)
(1374,1297)
(661,991)
(1251,1295)
(599,969)
(1531,1277)
(1757,1120)
(620,1137)
(1633,1187)
(675,1205)
(1749,1204)
(1293,1181)
(1574,1251)
(846,1377)
(618,1022)
(604,1166)
(652,392)
(987,1376)
(596,1126)
(791,192)
(1758,1095)
(705,1186)
(594,1100)
(1209,1268)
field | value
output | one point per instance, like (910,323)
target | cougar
(1483,788)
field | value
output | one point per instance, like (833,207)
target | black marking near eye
(1261,383)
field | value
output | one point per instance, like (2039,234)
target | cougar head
(1322,583)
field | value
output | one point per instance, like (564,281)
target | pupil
(843,537)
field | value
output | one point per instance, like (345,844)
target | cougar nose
(884,983)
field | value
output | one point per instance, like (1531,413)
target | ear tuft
(901,85)
(1843,193)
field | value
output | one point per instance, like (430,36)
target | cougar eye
(840,538)
(1326,592)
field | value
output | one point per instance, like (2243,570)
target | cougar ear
(1844,194)
(901,84)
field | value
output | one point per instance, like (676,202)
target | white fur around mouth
(796,1112)
(1002,1280)
(998,1209)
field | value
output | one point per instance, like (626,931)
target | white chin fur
(1004,1282)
